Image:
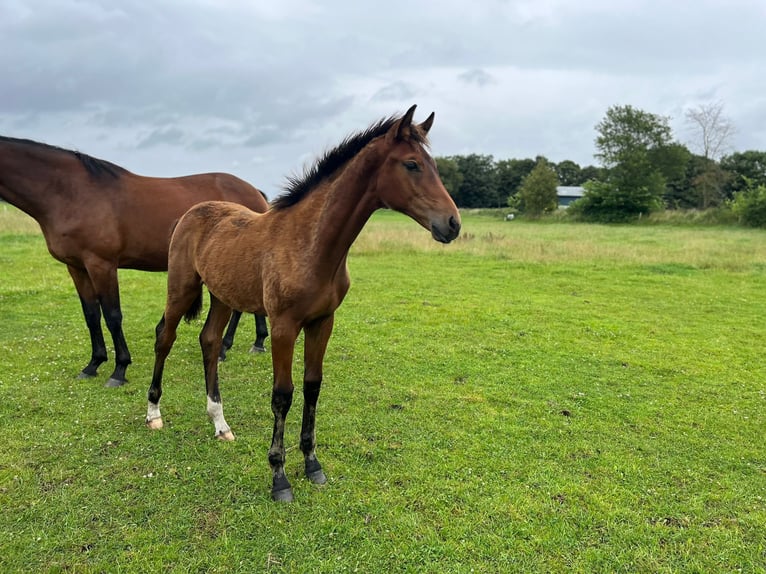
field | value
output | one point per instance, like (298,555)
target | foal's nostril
(453,224)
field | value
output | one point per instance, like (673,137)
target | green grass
(535,397)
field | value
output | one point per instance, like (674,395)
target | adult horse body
(97,217)
(296,269)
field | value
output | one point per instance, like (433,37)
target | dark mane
(94,166)
(297,188)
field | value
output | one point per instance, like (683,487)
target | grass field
(532,398)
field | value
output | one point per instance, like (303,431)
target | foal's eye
(411,165)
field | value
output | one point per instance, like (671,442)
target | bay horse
(261,332)
(97,217)
(295,271)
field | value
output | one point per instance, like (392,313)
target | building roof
(569,191)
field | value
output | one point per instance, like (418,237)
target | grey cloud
(215,84)
(170,135)
(477,76)
(396,92)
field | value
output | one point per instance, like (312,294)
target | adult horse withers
(97,217)
(296,271)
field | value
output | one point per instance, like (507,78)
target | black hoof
(257,349)
(114,383)
(317,477)
(285,495)
(84,375)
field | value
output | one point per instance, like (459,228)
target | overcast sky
(259,88)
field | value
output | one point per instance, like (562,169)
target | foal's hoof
(227,436)
(154,424)
(285,495)
(114,383)
(257,349)
(317,477)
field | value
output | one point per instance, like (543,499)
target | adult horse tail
(196,307)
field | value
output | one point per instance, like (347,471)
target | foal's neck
(345,204)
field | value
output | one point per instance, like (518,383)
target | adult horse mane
(290,263)
(97,217)
(94,166)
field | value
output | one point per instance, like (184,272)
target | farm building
(567,194)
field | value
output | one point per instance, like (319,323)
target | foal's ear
(401,130)
(426,125)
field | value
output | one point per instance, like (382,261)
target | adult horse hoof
(257,349)
(317,477)
(154,424)
(227,436)
(285,495)
(84,375)
(113,383)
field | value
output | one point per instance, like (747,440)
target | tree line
(643,169)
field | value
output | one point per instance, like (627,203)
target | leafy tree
(746,169)
(629,142)
(479,187)
(449,171)
(749,206)
(626,131)
(590,172)
(569,173)
(672,162)
(538,190)
(705,185)
(510,173)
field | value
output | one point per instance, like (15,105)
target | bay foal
(290,263)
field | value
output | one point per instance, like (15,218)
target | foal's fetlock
(153,416)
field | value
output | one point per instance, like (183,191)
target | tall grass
(522,241)
(533,398)
(12,221)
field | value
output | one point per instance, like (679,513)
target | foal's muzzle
(444,232)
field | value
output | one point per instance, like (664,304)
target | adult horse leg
(228,338)
(92,312)
(261,332)
(316,336)
(210,342)
(104,277)
(284,333)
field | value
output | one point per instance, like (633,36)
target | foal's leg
(165,336)
(210,341)
(283,337)
(316,335)
(261,332)
(92,312)
(228,338)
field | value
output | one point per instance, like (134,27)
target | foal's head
(409,182)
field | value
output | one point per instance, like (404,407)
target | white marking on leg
(215,412)
(153,416)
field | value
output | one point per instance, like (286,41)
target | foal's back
(255,262)
(221,244)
